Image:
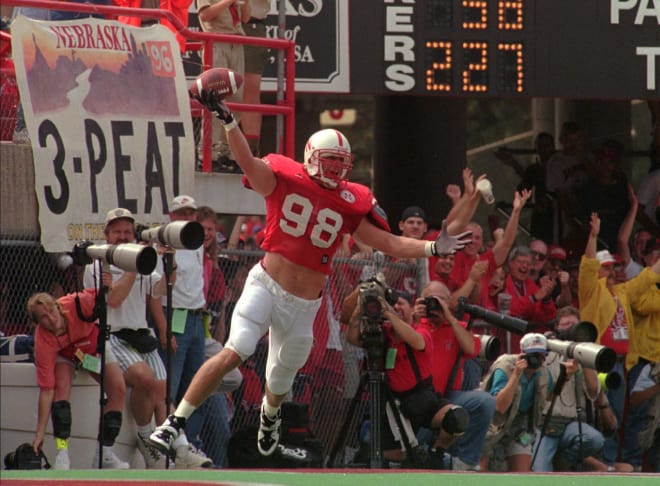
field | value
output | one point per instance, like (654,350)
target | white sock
(181,441)
(185,409)
(144,430)
(271,411)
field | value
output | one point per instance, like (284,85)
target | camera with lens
(180,235)
(490,347)
(583,348)
(534,360)
(130,257)
(369,295)
(432,305)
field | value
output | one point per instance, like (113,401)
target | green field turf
(318,478)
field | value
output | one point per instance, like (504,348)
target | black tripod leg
(376,379)
(340,442)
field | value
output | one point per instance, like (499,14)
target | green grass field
(316,477)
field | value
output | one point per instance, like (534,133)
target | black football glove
(446,244)
(211,100)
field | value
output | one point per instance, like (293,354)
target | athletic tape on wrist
(429,249)
(231,125)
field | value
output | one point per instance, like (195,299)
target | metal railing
(196,41)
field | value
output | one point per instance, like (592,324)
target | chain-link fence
(325,385)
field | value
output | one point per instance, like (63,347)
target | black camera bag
(139,339)
(24,458)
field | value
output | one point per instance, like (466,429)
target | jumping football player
(309,207)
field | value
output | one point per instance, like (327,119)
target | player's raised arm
(258,173)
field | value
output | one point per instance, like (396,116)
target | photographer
(566,435)
(520,384)
(452,342)
(131,340)
(408,369)
(62,343)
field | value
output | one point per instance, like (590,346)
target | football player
(309,207)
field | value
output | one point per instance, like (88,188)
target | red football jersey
(305,221)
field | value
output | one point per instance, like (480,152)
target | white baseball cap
(534,343)
(181,202)
(605,257)
(118,213)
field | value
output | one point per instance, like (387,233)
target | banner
(107,109)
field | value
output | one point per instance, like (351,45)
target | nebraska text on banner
(108,114)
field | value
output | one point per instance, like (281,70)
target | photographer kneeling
(565,435)
(520,384)
(407,364)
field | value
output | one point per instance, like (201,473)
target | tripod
(374,378)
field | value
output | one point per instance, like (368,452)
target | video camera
(512,324)
(130,257)
(588,354)
(180,235)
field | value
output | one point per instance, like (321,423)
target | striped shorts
(127,356)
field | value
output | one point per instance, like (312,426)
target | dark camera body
(534,360)
(370,292)
(432,305)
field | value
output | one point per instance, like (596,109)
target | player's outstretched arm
(261,177)
(402,247)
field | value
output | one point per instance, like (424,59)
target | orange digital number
(475,72)
(475,15)
(438,66)
(510,15)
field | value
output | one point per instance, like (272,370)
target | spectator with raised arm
(610,307)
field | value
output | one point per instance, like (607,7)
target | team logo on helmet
(328,158)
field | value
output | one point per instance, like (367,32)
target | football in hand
(225,81)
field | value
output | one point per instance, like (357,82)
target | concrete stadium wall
(18,418)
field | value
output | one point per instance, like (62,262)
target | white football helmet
(328,157)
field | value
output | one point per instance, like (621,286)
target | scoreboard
(542,48)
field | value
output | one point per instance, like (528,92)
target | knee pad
(111,427)
(456,421)
(61,416)
(291,357)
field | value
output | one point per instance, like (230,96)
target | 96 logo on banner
(162,63)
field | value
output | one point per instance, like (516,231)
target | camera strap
(454,372)
(43,456)
(413,363)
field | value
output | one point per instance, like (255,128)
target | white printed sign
(108,114)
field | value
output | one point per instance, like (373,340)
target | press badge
(89,362)
(390,357)
(620,334)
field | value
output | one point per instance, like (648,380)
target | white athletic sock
(185,409)
(271,411)
(144,430)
